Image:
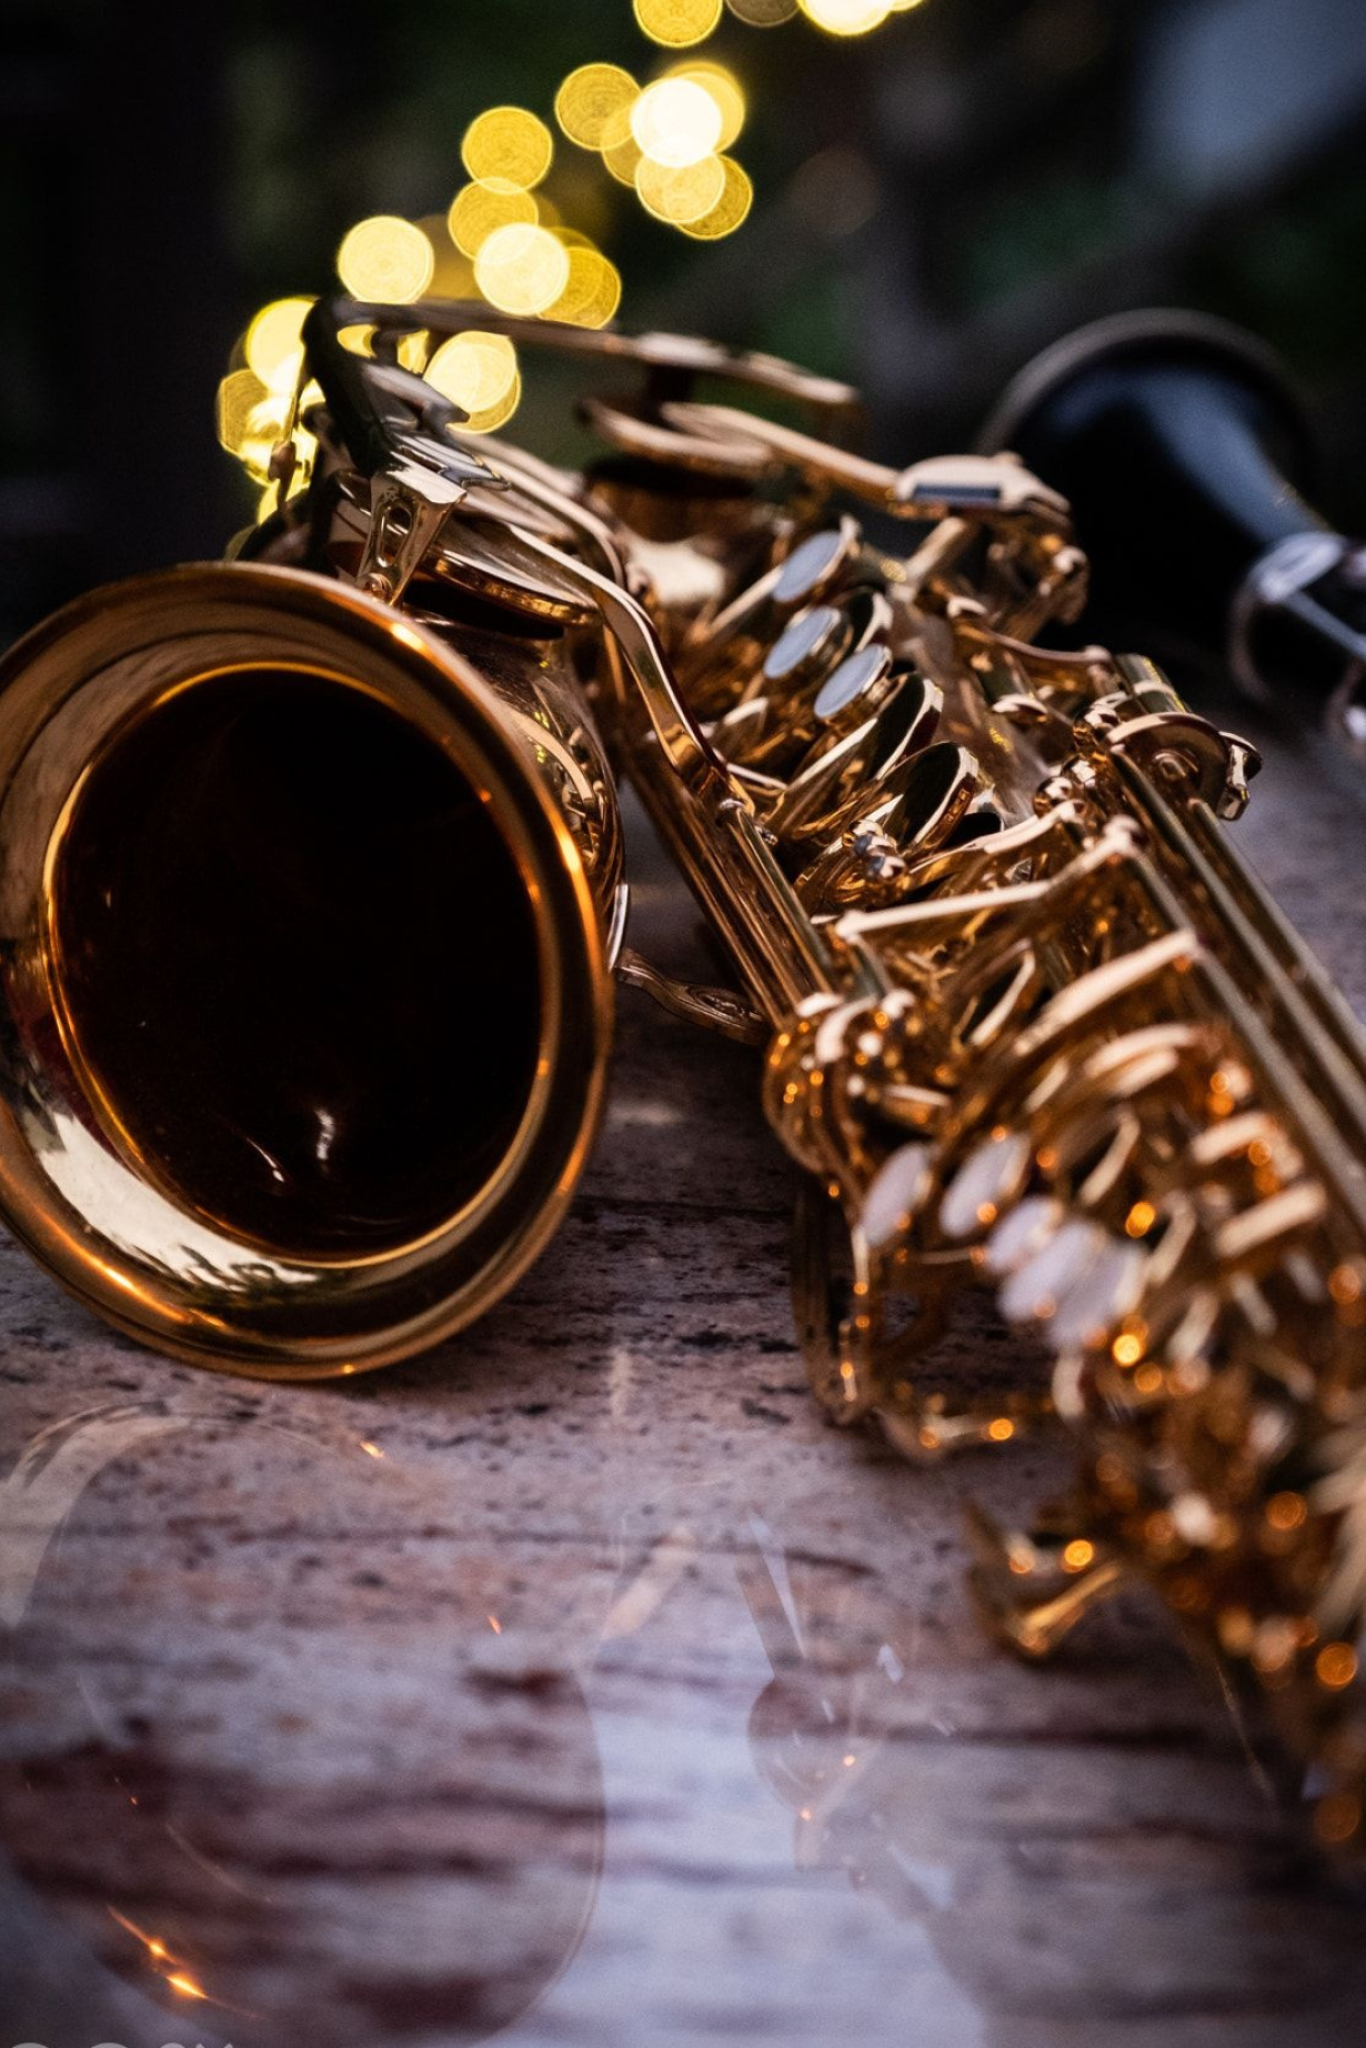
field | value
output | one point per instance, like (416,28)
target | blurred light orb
(274,344)
(593,293)
(681,196)
(847,17)
(725,89)
(762,13)
(677,122)
(590,98)
(731,209)
(510,143)
(497,415)
(386,260)
(620,151)
(475,371)
(484,206)
(677,23)
(522,269)
(453,277)
(240,392)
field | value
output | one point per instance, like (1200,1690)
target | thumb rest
(1029,1023)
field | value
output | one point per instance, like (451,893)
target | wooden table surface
(578,1681)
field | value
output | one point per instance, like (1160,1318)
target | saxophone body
(1029,1025)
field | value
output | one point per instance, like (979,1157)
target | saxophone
(1029,1023)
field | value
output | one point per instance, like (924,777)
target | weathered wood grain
(508,1726)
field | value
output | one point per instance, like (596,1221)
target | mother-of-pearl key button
(893,1194)
(810,566)
(812,637)
(850,690)
(988,1181)
(1024,1231)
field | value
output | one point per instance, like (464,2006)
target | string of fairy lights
(505,241)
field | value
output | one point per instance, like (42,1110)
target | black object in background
(118,299)
(1188,460)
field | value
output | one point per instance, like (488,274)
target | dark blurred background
(935,201)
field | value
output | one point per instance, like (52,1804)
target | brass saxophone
(1029,1022)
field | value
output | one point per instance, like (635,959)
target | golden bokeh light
(677,122)
(522,269)
(667,142)
(453,274)
(589,99)
(239,394)
(482,207)
(847,17)
(274,345)
(453,277)
(621,153)
(762,13)
(386,261)
(508,142)
(476,371)
(495,416)
(677,23)
(593,292)
(679,197)
(724,88)
(731,209)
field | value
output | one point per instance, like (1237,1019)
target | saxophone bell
(310,887)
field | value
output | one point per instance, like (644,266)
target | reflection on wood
(516,1688)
